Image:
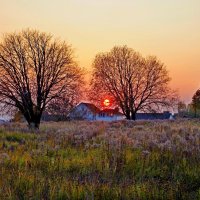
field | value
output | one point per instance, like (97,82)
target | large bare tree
(34,70)
(136,83)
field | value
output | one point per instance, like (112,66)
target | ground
(101,160)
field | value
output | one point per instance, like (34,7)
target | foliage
(196,102)
(99,160)
(183,109)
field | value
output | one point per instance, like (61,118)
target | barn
(88,111)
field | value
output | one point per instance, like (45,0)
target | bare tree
(136,83)
(34,70)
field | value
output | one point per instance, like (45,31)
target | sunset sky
(169,29)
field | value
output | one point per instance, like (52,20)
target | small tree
(136,83)
(196,102)
(35,69)
(182,109)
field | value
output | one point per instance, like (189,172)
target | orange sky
(168,29)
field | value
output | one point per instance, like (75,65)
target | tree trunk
(133,116)
(34,123)
(195,111)
(128,116)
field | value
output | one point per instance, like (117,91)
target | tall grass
(98,160)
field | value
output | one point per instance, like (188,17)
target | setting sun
(106,102)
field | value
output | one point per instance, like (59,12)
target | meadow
(101,160)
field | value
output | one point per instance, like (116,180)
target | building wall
(82,112)
(109,118)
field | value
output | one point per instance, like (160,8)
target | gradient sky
(169,29)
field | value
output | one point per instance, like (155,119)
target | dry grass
(100,160)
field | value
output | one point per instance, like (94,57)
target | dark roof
(164,115)
(92,107)
(111,111)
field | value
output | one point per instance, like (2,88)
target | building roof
(91,106)
(164,115)
(96,110)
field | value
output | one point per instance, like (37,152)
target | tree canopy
(134,82)
(36,69)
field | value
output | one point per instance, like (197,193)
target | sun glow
(106,102)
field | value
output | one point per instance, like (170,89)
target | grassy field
(99,160)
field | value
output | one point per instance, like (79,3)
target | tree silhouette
(136,83)
(34,70)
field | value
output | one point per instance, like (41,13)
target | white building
(110,115)
(88,111)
